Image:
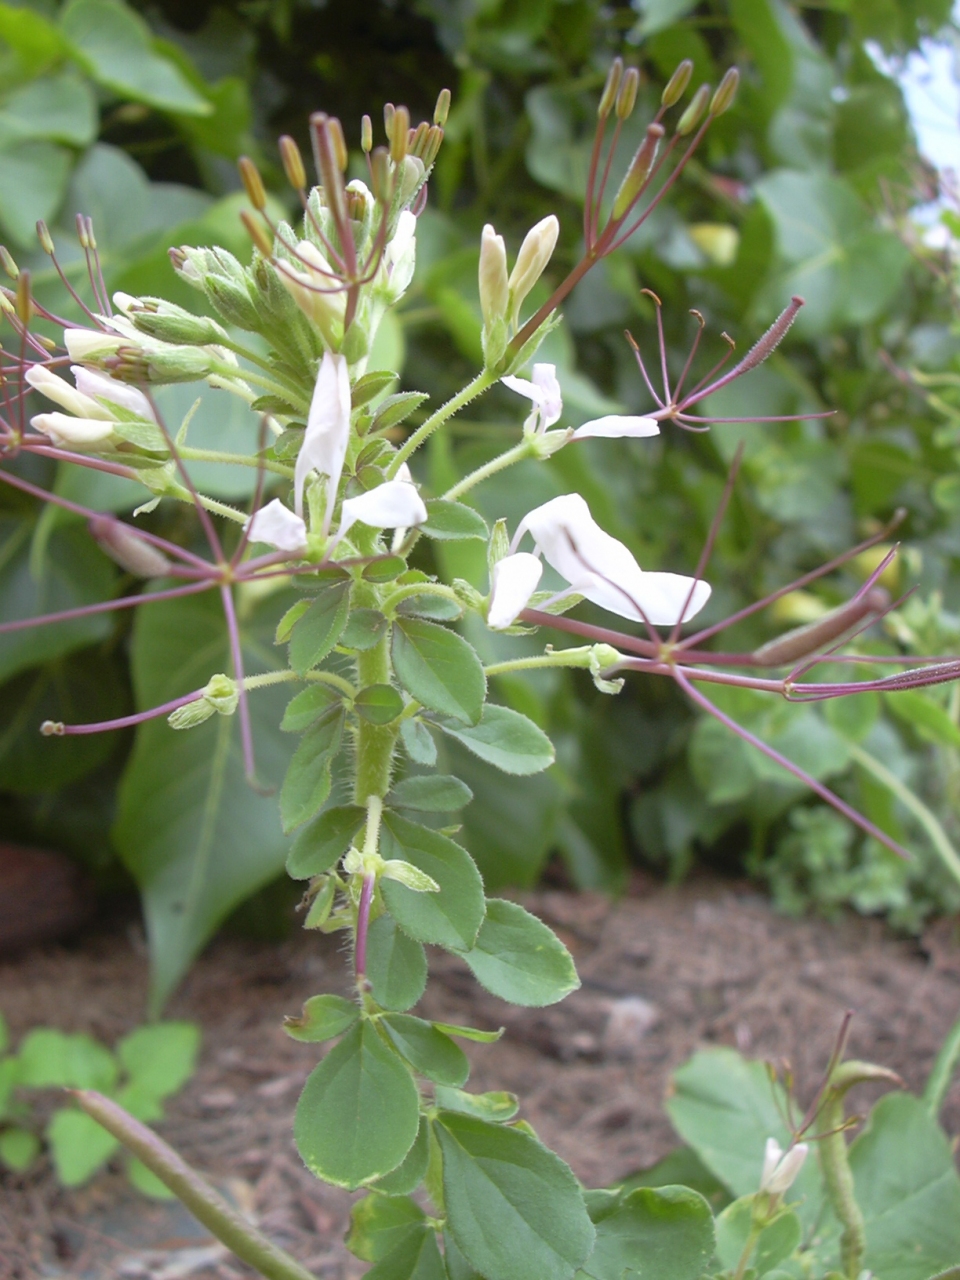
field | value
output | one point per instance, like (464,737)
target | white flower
(278,526)
(400,256)
(328,431)
(91,344)
(512,583)
(315,287)
(597,566)
(392,505)
(780,1171)
(614,425)
(544,392)
(60,392)
(103,387)
(65,430)
(494,289)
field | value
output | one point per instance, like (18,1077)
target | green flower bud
(221,695)
(494,286)
(170,323)
(535,252)
(610,89)
(627,97)
(442,109)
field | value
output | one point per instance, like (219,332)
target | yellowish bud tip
(252,183)
(46,240)
(609,95)
(417,139)
(627,97)
(293,163)
(442,109)
(388,113)
(399,134)
(726,92)
(366,134)
(694,112)
(8,263)
(339,142)
(24,304)
(432,148)
(88,228)
(82,231)
(256,233)
(676,86)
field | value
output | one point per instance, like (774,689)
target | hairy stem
(525,449)
(470,392)
(235,460)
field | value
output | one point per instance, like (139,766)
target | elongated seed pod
(803,641)
(123,545)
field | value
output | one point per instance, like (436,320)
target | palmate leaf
(196,837)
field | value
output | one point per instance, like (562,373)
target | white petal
(551,398)
(615,425)
(523,387)
(75,432)
(278,526)
(90,344)
(772,1156)
(785,1174)
(60,392)
(390,506)
(92,383)
(513,582)
(328,430)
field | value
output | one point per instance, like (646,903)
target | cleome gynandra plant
(378,670)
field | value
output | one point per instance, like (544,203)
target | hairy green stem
(240,1236)
(313,677)
(375,742)
(470,392)
(236,460)
(268,384)
(580,657)
(525,449)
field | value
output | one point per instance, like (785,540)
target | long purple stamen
(55,729)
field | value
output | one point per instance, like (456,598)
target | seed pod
(806,640)
(252,183)
(676,86)
(627,97)
(694,112)
(638,173)
(610,89)
(442,109)
(125,546)
(293,163)
(726,92)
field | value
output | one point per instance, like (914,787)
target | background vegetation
(137,118)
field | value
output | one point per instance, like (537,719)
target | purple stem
(233,630)
(363,925)
(126,722)
(47,450)
(202,514)
(104,606)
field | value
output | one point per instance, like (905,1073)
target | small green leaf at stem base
(506,739)
(321,626)
(446,918)
(497,1106)
(378,703)
(431,793)
(323,1018)
(307,784)
(396,966)
(379,1223)
(428,1050)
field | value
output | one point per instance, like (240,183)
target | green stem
(525,449)
(470,392)
(313,677)
(935,832)
(581,657)
(748,1249)
(942,1071)
(209,1208)
(235,459)
(268,384)
(375,742)
(835,1163)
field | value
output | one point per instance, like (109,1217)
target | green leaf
(18,1148)
(930,721)
(371,385)
(307,784)
(33,183)
(439,668)
(496,1106)
(427,1049)
(78,1146)
(197,838)
(162,1058)
(418,742)
(307,706)
(417,1257)
(36,42)
(385,569)
(365,629)
(315,634)
(450,918)
(114,45)
(396,409)
(323,1018)
(431,793)
(396,965)
(4,1034)
(470,1033)
(513,1207)
(660,1233)
(775,1243)
(323,843)
(519,959)
(410,1172)
(453,522)
(379,1223)
(321,904)
(506,739)
(59,108)
(359,1112)
(378,703)
(50,1058)
(289,620)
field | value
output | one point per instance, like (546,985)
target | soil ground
(664,971)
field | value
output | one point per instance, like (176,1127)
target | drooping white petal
(400,255)
(513,582)
(93,383)
(328,431)
(551,398)
(391,505)
(615,425)
(278,526)
(60,392)
(90,344)
(522,386)
(400,532)
(77,433)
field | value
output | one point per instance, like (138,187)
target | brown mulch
(664,971)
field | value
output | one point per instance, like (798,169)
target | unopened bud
(90,238)
(366,134)
(499,545)
(123,545)
(24,303)
(257,233)
(292,162)
(609,95)
(723,98)
(340,153)
(535,252)
(627,97)
(221,695)
(694,112)
(252,183)
(170,323)
(412,173)
(82,232)
(494,286)
(8,263)
(46,240)
(416,139)
(780,1170)
(160,364)
(636,176)
(676,86)
(442,109)
(398,134)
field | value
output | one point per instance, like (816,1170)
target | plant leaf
(160,1059)
(519,959)
(307,784)
(323,1018)
(439,668)
(322,843)
(396,965)
(505,739)
(660,1233)
(427,1049)
(431,793)
(450,918)
(321,626)
(453,521)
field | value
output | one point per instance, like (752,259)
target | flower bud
(160,364)
(75,433)
(416,139)
(494,288)
(292,162)
(380,176)
(44,380)
(535,252)
(231,301)
(609,95)
(125,546)
(636,176)
(220,695)
(432,146)
(676,86)
(723,98)
(442,109)
(252,183)
(46,240)
(23,302)
(388,113)
(406,873)
(170,323)
(412,173)
(692,116)
(366,134)
(627,97)
(88,345)
(780,1171)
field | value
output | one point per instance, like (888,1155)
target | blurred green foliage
(802,188)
